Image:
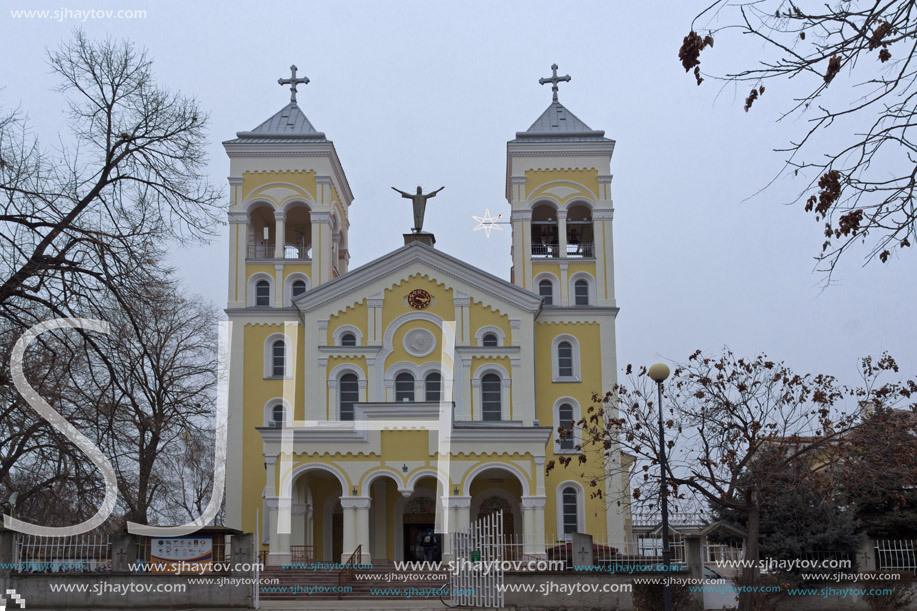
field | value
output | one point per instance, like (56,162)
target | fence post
(581,550)
(242,547)
(694,557)
(867,556)
(123,552)
(7,556)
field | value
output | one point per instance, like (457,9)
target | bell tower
(558,184)
(288,210)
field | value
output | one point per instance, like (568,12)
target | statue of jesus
(420,204)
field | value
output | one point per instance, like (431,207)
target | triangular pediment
(358,284)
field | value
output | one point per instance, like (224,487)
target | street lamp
(658,373)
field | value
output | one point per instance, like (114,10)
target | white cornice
(350,351)
(295,149)
(559,149)
(270,315)
(503,434)
(481,351)
(576,314)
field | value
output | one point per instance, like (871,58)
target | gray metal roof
(557,123)
(288,125)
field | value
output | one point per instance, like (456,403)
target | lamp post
(658,373)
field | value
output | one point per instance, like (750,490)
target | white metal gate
(478,553)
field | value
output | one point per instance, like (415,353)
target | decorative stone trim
(237,218)
(458,502)
(534,502)
(355,502)
(603,215)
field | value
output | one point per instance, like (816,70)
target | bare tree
(81,231)
(847,69)
(153,380)
(85,219)
(738,431)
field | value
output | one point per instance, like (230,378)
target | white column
(533,525)
(449,506)
(310,525)
(379,523)
(462,506)
(280,233)
(562,233)
(374,320)
(280,542)
(522,248)
(462,303)
(602,227)
(238,234)
(356,519)
(565,299)
(349,527)
(270,486)
(321,247)
(278,285)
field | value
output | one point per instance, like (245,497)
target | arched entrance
(416,523)
(496,489)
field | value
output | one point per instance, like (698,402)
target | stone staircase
(323,585)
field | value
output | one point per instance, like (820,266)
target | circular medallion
(419,299)
(419,342)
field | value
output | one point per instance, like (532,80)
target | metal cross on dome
(292,82)
(554,80)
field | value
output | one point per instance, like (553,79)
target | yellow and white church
(415,393)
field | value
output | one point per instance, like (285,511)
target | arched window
(579,232)
(298,288)
(570,510)
(278,359)
(349,394)
(546,291)
(433,387)
(348,339)
(565,427)
(565,359)
(544,231)
(404,387)
(581,292)
(489,340)
(263,293)
(278,416)
(491,397)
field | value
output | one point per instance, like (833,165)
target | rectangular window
(565,360)
(565,416)
(491,398)
(278,368)
(570,511)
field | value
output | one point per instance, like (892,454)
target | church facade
(371,407)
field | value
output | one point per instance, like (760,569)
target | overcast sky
(429,92)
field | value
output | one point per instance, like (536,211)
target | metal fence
(896,555)
(639,549)
(85,553)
